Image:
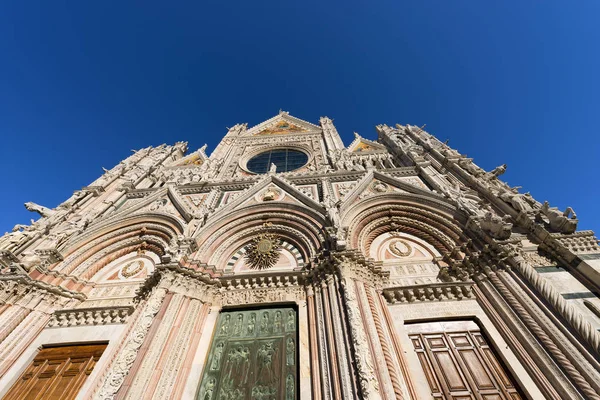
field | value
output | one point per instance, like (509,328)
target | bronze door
(253,356)
(57,373)
(459,363)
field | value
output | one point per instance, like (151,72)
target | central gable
(281,127)
(283,124)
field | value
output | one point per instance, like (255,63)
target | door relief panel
(253,355)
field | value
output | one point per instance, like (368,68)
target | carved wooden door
(56,373)
(253,356)
(459,363)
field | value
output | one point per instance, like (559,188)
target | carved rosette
(263,252)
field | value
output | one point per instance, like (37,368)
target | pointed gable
(280,128)
(360,145)
(282,124)
(271,189)
(375,183)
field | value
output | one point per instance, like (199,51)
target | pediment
(197,158)
(375,183)
(163,201)
(282,124)
(270,190)
(362,145)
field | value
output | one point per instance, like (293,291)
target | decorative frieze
(89,316)
(429,292)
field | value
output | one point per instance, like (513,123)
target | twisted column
(541,335)
(387,353)
(568,312)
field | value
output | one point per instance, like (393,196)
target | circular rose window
(285,160)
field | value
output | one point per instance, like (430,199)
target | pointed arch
(298,225)
(108,241)
(431,219)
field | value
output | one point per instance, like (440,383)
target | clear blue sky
(82,83)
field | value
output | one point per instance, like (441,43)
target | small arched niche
(132,267)
(117,282)
(409,259)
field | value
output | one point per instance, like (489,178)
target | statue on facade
(18,236)
(498,227)
(43,211)
(496,172)
(470,167)
(565,222)
(520,202)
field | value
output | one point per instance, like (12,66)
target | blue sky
(82,83)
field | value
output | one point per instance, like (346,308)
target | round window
(285,160)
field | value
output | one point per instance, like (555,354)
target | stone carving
(400,248)
(118,371)
(429,292)
(565,222)
(496,172)
(497,227)
(19,236)
(132,268)
(538,260)
(366,374)
(470,167)
(90,316)
(379,187)
(520,202)
(271,194)
(263,252)
(43,211)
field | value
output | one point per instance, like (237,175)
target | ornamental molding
(262,295)
(578,242)
(89,316)
(444,291)
(348,263)
(15,276)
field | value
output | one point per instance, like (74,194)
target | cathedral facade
(287,265)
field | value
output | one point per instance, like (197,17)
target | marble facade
(399,264)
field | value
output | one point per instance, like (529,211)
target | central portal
(253,356)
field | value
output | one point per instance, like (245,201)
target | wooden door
(253,356)
(459,363)
(57,373)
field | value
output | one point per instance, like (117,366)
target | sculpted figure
(43,211)
(471,168)
(333,211)
(496,226)
(19,235)
(518,201)
(496,172)
(70,202)
(565,222)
